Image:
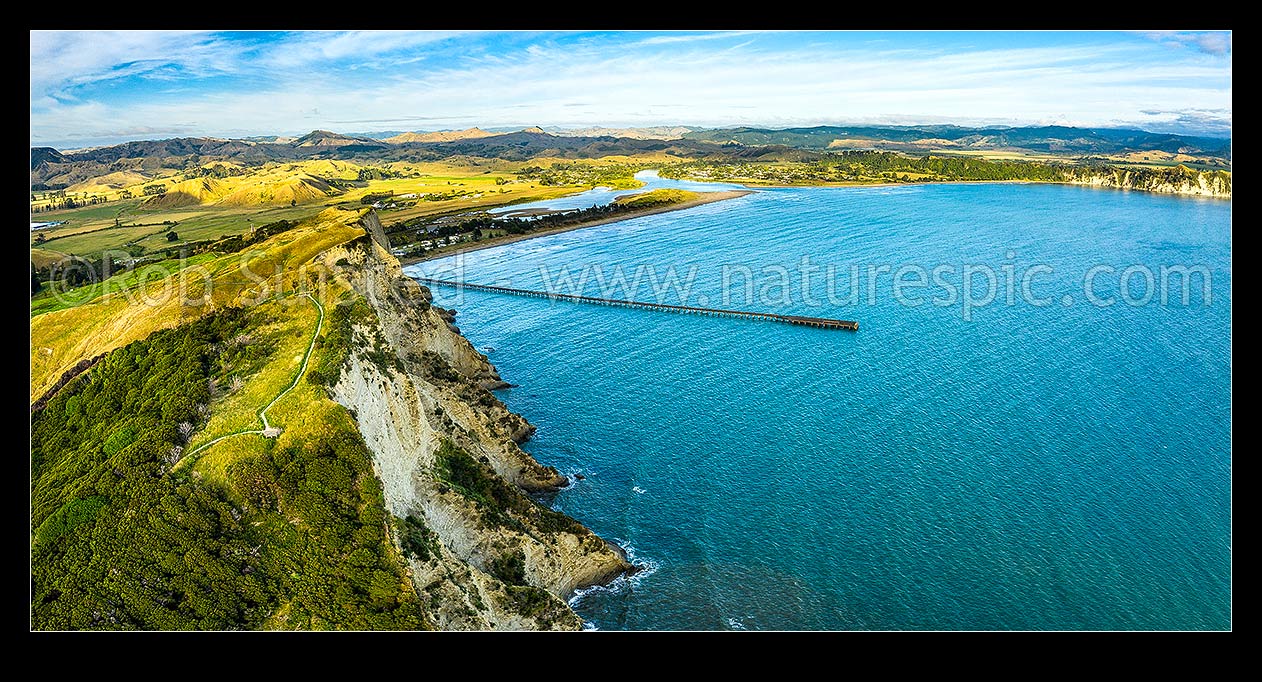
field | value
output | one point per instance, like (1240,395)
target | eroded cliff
(480,550)
(1177,180)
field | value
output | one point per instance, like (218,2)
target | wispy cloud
(694,37)
(67,58)
(325,46)
(294,82)
(1210,42)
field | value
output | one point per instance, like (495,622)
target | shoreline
(711,197)
(704,198)
(848,184)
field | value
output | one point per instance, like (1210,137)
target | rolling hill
(324,138)
(648,133)
(189,193)
(439,136)
(299,189)
(115,180)
(282,186)
(41,155)
(53,169)
(1060,140)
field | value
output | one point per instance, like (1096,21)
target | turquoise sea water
(1062,466)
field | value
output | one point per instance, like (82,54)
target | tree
(172,236)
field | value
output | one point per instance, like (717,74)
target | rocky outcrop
(434,397)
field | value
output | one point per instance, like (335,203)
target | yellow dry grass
(272,185)
(328,168)
(110,181)
(441,136)
(42,258)
(204,208)
(301,413)
(296,189)
(62,338)
(190,193)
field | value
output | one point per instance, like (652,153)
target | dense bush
(121,539)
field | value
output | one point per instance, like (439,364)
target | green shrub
(71,515)
(502,503)
(528,601)
(417,540)
(510,568)
(120,541)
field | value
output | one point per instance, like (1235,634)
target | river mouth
(603,196)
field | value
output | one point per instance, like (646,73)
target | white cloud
(317,46)
(686,83)
(67,58)
(693,37)
(1210,42)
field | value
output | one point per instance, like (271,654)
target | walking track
(262,414)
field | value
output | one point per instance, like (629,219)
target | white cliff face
(406,414)
(1193,183)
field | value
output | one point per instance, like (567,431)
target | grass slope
(62,338)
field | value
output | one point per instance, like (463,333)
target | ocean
(1048,448)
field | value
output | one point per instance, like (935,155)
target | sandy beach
(705,198)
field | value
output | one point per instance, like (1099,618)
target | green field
(288,333)
(127,224)
(47,301)
(91,230)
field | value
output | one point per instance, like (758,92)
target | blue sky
(91,88)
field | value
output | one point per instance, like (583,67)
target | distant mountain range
(53,168)
(439,136)
(650,133)
(324,138)
(1061,140)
